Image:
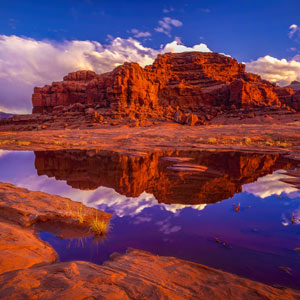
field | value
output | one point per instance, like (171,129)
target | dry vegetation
(98,226)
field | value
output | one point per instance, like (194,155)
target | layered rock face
(172,176)
(194,81)
(134,275)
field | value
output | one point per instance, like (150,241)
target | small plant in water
(99,227)
(80,215)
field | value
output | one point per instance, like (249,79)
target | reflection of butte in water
(220,175)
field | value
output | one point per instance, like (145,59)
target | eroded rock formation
(197,82)
(199,177)
(134,275)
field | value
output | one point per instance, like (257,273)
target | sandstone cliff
(195,82)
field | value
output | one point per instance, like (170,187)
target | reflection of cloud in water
(4,152)
(166,227)
(139,220)
(297,216)
(269,185)
(286,219)
(103,198)
(108,199)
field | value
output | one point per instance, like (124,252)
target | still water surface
(176,204)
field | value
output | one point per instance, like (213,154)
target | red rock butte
(197,82)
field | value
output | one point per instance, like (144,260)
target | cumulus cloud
(166,24)
(177,47)
(294,29)
(281,71)
(25,63)
(140,34)
(168,10)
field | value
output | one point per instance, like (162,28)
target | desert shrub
(23,143)
(247,140)
(212,140)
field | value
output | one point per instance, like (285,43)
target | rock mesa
(193,82)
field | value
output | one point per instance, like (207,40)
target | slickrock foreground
(21,210)
(21,249)
(26,208)
(29,267)
(132,276)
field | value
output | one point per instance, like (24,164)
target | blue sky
(244,29)
(36,35)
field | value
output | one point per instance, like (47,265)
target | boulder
(190,119)
(90,111)
(77,107)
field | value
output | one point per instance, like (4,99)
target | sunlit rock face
(172,177)
(195,81)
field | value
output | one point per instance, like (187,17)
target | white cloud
(168,10)
(140,34)
(25,63)
(277,70)
(178,40)
(293,30)
(176,47)
(166,24)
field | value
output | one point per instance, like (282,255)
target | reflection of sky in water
(270,185)
(18,168)
(259,242)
